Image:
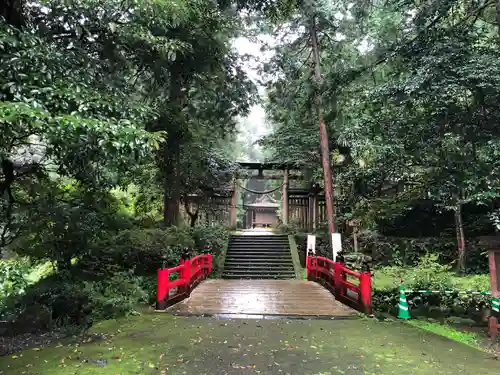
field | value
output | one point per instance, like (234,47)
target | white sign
(311,243)
(336,245)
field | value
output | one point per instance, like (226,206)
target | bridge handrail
(333,276)
(191,273)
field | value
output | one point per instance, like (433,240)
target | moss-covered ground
(163,344)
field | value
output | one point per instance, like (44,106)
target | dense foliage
(409,92)
(118,117)
(112,115)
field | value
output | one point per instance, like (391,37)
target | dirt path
(161,344)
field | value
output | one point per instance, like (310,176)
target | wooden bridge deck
(262,297)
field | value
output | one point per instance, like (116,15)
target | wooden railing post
(161,288)
(186,273)
(210,264)
(365,286)
(338,277)
(308,265)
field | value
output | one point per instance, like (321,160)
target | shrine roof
(264,201)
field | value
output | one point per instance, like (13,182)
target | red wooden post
(210,264)
(365,287)
(338,277)
(186,274)
(181,271)
(161,288)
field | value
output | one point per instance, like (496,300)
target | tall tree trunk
(171,194)
(325,150)
(172,150)
(497,7)
(13,12)
(459,228)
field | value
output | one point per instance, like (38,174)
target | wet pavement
(262,297)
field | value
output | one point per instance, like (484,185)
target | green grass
(161,344)
(467,338)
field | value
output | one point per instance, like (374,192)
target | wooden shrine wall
(298,211)
(301,212)
(213,212)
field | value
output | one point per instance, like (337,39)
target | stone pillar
(233,213)
(284,196)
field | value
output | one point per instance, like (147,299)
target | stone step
(259,276)
(240,271)
(278,266)
(259,263)
(258,257)
(241,257)
(258,251)
(258,239)
(252,249)
(258,243)
(270,271)
(270,244)
(233,240)
(264,236)
(257,260)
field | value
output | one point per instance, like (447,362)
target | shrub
(55,301)
(113,278)
(139,250)
(429,275)
(118,295)
(13,281)
(210,238)
(402,251)
(289,229)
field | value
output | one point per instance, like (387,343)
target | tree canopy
(409,95)
(100,94)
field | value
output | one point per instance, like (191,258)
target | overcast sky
(245,46)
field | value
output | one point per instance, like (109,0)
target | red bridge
(331,290)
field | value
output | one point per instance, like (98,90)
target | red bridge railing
(190,273)
(350,287)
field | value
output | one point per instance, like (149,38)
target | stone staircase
(258,257)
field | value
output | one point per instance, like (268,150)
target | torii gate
(304,206)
